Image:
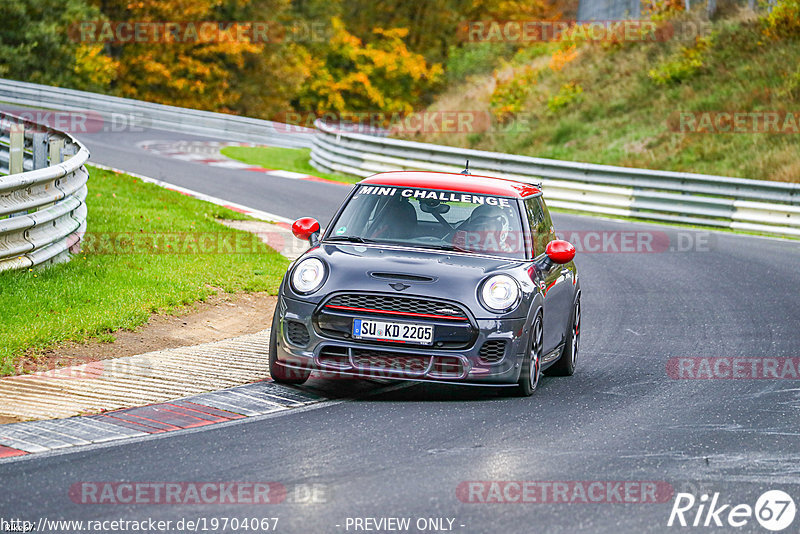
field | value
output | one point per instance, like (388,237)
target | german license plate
(390,331)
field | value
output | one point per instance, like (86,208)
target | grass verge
(284,159)
(183,256)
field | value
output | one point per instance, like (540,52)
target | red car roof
(462,183)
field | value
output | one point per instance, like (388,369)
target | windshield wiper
(455,248)
(359,239)
(351,239)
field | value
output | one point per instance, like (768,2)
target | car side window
(548,230)
(539,221)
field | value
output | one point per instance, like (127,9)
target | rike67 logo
(774,510)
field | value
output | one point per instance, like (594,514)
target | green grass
(285,159)
(98,293)
(626,117)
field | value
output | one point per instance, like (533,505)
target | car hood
(413,272)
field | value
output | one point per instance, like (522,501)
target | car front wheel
(532,365)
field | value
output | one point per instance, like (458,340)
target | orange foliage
(207,75)
(382,75)
(561,58)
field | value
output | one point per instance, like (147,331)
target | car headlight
(500,293)
(308,275)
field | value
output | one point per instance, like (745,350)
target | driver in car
(397,220)
(486,230)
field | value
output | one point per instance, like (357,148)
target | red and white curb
(209,153)
(160,391)
(152,377)
(21,439)
(202,152)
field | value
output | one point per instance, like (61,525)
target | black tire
(565,366)
(280,373)
(532,366)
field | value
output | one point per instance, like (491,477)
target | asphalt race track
(280,196)
(405,451)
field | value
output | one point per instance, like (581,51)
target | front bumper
(302,344)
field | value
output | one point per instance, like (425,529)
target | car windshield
(424,218)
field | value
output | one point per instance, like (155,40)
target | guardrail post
(16,156)
(56,151)
(39,150)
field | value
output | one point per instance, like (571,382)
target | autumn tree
(377,55)
(347,74)
(36,45)
(433,25)
(243,73)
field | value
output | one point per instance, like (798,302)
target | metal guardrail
(158,116)
(701,199)
(42,196)
(750,205)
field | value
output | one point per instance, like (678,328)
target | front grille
(493,351)
(399,305)
(453,328)
(406,364)
(297,333)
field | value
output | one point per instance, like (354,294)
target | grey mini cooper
(430,276)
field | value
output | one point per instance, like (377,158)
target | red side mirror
(560,251)
(305,228)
